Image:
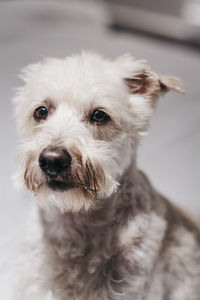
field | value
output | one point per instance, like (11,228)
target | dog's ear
(141,80)
(149,83)
(144,87)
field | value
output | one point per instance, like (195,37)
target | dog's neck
(113,212)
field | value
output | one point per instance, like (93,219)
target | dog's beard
(79,188)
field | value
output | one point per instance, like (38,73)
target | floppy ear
(145,87)
(141,80)
(152,84)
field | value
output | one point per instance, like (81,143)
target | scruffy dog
(101,231)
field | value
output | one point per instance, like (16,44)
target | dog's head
(81,119)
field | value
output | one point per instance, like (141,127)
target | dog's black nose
(54,161)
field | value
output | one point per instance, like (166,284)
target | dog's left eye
(99,116)
(40,113)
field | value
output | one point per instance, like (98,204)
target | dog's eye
(40,113)
(99,116)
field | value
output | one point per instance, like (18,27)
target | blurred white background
(31,30)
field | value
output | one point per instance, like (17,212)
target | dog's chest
(89,268)
(102,258)
(87,264)
(94,264)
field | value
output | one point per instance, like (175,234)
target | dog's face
(80,119)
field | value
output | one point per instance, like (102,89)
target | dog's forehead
(79,79)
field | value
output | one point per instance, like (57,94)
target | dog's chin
(64,196)
(59,186)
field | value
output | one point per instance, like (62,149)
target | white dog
(101,231)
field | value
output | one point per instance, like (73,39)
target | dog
(100,230)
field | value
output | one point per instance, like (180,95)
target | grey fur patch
(134,245)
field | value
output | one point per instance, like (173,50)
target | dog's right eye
(40,113)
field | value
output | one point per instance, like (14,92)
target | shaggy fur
(111,235)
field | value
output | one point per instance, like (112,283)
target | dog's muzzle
(55,164)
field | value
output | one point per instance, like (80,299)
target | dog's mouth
(59,186)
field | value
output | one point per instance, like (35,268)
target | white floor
(31,30)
